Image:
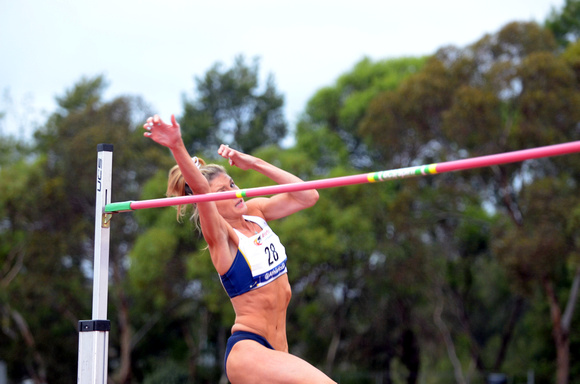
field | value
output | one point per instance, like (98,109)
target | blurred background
(470,277)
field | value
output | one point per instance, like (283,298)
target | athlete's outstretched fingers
(173,120)
(147,126)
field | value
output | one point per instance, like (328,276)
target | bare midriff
(263,311)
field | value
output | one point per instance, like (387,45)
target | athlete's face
(230,207)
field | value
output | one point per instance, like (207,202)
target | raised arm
(214,227)
(277,206)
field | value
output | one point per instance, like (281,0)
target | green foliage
(232,108)
(318,142)
(508,91)
(543,239)
(458,120)
(150,255)
(371,266)
(572,57)
(410,117)
(168,373)
(85,94)
(335,112)
(473,233)
(47,209)
(565,24)
(12,151)
(549,103)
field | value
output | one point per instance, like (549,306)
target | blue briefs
(239,336)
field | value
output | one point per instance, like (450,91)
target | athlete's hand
(236,158)
(165,134)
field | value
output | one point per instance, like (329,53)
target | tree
(370,325)
(565,24)
(547,238)
(336,112)
(231,108)
(48,198)
(507,91)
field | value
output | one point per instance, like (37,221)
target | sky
(155,49)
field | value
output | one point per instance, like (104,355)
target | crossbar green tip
(122,206)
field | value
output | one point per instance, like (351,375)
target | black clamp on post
(94,325)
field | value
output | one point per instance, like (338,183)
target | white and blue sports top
(260,260)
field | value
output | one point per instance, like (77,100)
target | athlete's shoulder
(255,207)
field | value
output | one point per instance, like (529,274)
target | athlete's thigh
(250,363)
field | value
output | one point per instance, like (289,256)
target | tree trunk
(336,334)
(192,346)
(458,371)
(410,355)
(474,349)
(508,197)
(508,332)
(37,367)
(125,372)
(125,344)
(559,333)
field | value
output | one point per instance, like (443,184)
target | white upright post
(3,374)
(94,334)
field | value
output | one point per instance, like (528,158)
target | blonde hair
(176,186)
